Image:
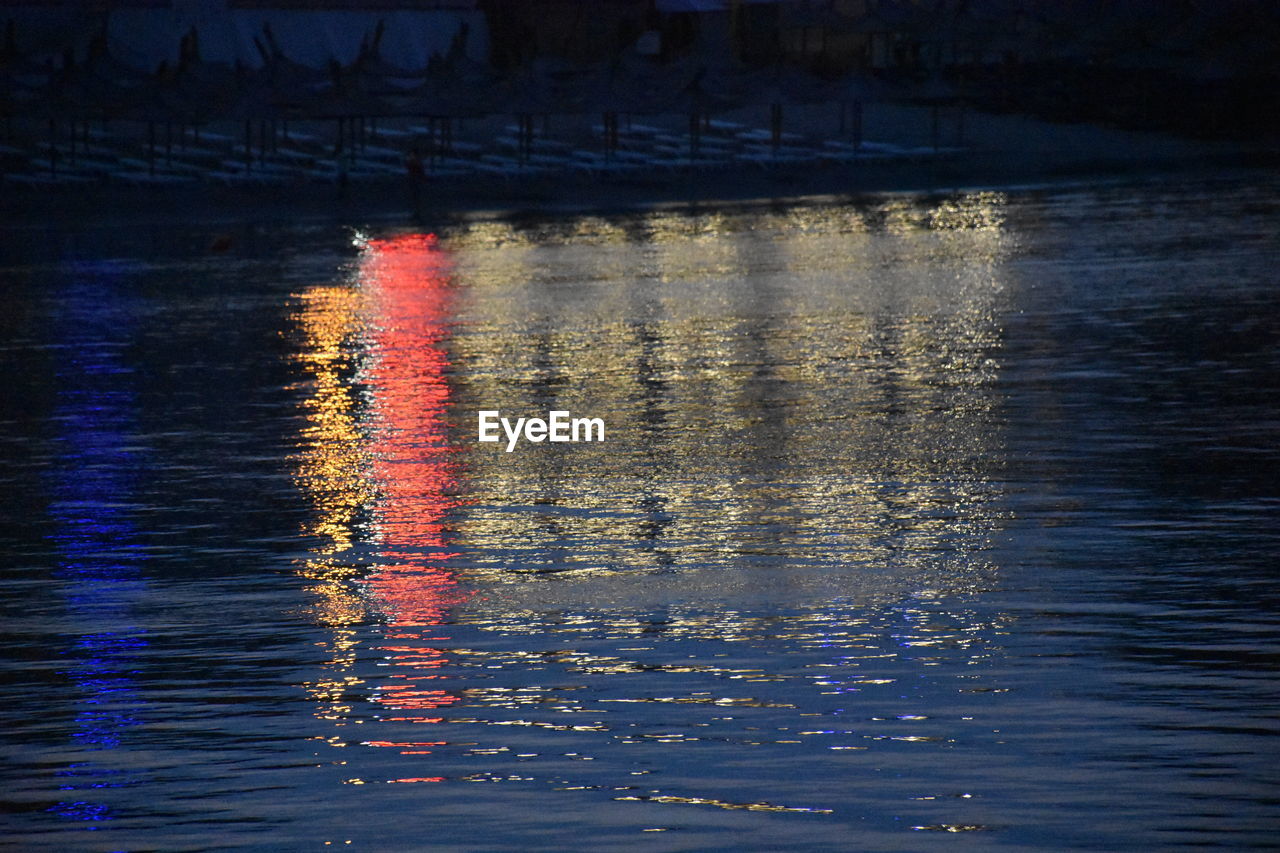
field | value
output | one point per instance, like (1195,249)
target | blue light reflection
(100,565)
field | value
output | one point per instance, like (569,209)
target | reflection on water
(377,464)
(760,403)
(788,455)
(92,483)
(915,517)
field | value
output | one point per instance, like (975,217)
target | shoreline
(389,200)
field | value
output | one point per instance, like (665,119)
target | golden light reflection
(334,464)
(804,418)
(378,467)
(811,382)
(331,471)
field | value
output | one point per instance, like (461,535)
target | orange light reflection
(377,465)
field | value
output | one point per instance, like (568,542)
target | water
(919,522)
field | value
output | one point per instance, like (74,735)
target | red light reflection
(406,282)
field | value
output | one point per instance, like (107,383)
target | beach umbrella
(528,94)
(158,105)
(204,90)
(855,92)
(443,94)
(346,104)
(695,101)
(597,90)
(257,101)
(40,97)
(101,88)
(450,89)
(782,86)
(372,74)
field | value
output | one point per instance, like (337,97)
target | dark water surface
(920,523)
